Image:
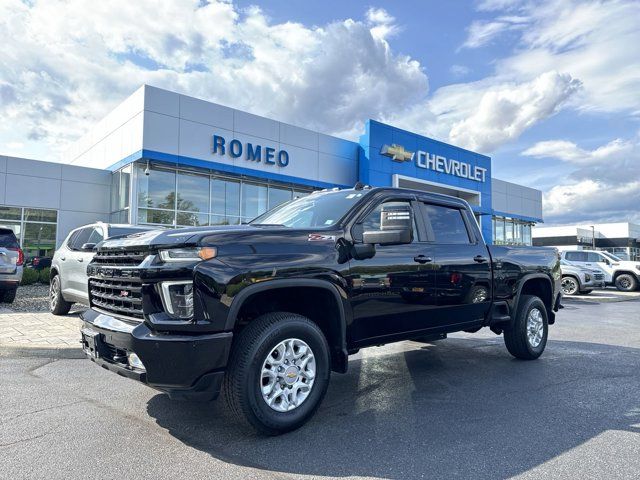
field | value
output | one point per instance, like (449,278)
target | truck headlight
(587,277)
(192,254)
(177,298)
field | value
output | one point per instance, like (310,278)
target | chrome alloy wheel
(535,327)
(287,375)
(53,293)
(625,283)
(569,286)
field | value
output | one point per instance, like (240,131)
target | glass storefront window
(193,192)
(511,231)
(160,217)
(40,215)
(10,213)
(190,219)
(254,200)
(158,189)
(225,197)
(278,195)
(39,239)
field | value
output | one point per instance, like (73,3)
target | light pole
(593,237)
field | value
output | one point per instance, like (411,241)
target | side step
(430,338)
(499,314)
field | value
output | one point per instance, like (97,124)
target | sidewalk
(39,334)
(608,295)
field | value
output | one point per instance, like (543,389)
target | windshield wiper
(268,224)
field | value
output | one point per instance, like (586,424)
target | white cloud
(570,152)
(504,112)
(604,188)
(592,41)
(459,70)
(481,33)
(64,65)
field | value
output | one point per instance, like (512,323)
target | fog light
(135,362)
(587,277)
(178,298)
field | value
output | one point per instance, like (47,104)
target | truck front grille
(120,298)
(120,257)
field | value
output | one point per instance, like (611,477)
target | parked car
(267,310)
(624,274)
(578,280)
(68,277)
(38,263)
(11,264)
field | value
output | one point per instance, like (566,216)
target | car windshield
(611,256)
(323,209)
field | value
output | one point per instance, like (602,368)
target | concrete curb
(62,352)
(591,299)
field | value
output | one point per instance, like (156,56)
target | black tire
(626,282)
(8,296)
(57,304)
(241,386)
(515,337)
(570,285)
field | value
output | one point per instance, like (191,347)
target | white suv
(625,275)
(69,279)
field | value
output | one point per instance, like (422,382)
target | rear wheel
(9,295)
(526,338)
(570,285)
(626,282)
(278,372)
(57,304)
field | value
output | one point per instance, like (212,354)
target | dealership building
(164,158)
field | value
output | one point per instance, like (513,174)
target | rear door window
(8,239)
(576,256)
(446,224)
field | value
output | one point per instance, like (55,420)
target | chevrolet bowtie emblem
(396,152)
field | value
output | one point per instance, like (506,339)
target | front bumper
(184,366)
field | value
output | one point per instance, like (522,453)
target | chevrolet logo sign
(396,152)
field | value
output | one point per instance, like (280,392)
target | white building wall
(81,195)
(515,199)
(168,122)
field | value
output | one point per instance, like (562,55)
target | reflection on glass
(161,217)
(156,189)
(278,196)
(254,200)
(10,213)
(188,219)
(40,215)
(223,220)
(193,192)
(39,239)
(225,197)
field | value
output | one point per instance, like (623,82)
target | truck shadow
(460,408)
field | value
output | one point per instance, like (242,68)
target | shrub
(44,275)
(30,276)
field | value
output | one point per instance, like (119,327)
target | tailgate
(8,260)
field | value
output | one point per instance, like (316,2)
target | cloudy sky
(549,89)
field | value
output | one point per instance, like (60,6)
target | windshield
(315,210)
(611,256)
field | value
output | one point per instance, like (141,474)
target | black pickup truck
(266,311)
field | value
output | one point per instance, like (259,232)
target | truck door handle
(479,259)
(422,259)
(63,258)
(80,259)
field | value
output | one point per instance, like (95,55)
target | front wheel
(570,286)
(57,304)
(526,338)
(278,372)
(626,282)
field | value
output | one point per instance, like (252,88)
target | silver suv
(69,265)
(11,264)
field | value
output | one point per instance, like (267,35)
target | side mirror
(395,227)
(88,247)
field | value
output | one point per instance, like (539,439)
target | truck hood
(170,238)
(185,237)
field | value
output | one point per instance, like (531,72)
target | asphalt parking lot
(460,408)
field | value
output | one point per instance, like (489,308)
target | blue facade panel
(428,160)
